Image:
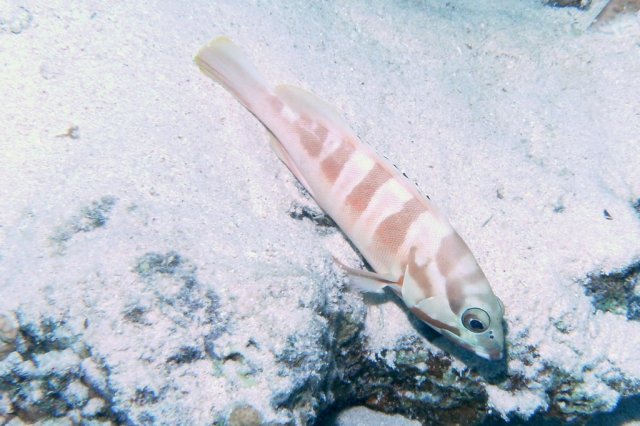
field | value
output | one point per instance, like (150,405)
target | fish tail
(227,64)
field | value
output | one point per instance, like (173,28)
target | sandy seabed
(142,207)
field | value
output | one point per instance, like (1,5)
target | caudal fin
(225,63)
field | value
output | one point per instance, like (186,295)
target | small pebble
(245,415)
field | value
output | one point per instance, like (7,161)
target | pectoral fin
(367,281)
(416,285)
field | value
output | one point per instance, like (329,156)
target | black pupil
(476,324)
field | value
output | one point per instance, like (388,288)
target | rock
(57,363)
(76,394)
(61,421)
(362,416)
(6,407)
(15,19)
(8,333)
(94,408)
(49,382)
(581,4)
(617,292)
(15,421)
(245,415)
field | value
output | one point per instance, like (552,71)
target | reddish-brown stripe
(334,163)
(393,230)
(310,141)
(434,322)
(276,103)
(321,132)
(455,289)
(360,197)
(451,250)
(455,295)
(419,273)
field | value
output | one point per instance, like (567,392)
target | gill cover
(478,324)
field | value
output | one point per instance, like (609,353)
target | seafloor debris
(582,4)
(317,216)
(73,132)
(16,21)
(51,374)
(245,415)
(617,292)
(89,218)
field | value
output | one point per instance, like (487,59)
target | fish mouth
(495,355)
(488,354)
(491,355)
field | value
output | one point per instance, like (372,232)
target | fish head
(458,302)
(477,327)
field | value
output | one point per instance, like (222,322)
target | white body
(411,246)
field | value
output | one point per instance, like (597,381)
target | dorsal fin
(306,103)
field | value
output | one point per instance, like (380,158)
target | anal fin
(284,156)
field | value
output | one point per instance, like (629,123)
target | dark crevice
(616,292)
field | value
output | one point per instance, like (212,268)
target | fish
(410,245)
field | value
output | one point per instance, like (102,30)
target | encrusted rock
(617,292)
(581,4)
(245,415)
(76,394)
(93,408)
(6,407)
(8,333)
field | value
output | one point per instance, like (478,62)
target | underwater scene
(341,213)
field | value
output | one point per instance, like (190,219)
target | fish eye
(476,320)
